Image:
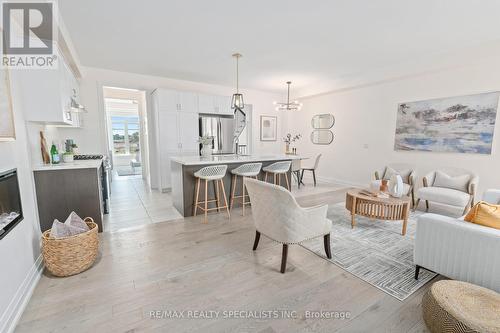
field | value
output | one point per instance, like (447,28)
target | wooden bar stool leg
(206,202)
(265,178)
(243,194)
(225,200)
(287,182)
(274,175)
(197,193)
(232,193)
(216,193)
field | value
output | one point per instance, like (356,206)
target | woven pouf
(455,306)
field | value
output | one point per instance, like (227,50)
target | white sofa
(459,250)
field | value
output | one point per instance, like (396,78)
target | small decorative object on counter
(74,149)
(206,143)
(396,186)
(68,145)
(54,154)
(288,139)
(45,152)
(383,185)
(68,157)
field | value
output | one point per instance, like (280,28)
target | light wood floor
(187,265)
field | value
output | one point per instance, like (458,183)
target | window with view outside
(125,134)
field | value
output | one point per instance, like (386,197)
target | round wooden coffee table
(392,209)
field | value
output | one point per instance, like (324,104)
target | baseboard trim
(11,316)
(329,180)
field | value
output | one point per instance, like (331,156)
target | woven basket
(71,255)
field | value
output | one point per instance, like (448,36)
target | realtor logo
(28,34)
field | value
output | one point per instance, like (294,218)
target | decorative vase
(206,150)
(396,186)
(383,186)
(287,149)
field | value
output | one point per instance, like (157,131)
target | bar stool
(213,173)
(277,169)
(245,170)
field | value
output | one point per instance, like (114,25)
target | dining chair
(312,169)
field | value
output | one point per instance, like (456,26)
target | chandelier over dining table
(292,106)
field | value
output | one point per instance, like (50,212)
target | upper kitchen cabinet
(224,104)
(211,104)
(49,94)
(172,100)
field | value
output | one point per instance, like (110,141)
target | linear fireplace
(11,212)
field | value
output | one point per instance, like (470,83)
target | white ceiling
(308,42)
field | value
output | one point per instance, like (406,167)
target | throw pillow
(389,172)
(60,230)
(484,214)
(75,221)
(460,183)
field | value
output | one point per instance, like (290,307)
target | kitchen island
(184,167)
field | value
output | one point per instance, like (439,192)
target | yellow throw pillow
(485,214)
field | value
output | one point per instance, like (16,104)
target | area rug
(374,251)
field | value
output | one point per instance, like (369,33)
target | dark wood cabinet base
(59,192)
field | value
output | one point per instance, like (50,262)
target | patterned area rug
(374,251)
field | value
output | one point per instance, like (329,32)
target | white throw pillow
(75,221)
(460,183)
(389,172)
(60,230)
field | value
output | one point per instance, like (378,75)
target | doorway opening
(127,135)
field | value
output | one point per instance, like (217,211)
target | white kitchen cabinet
(167,100)
(176,130)
(224,105)
(49,93)
(173,100)
(168,130)
(189,131)
(211,104)
(207,104)
(188,102)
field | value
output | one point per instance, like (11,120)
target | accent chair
(277,215)
(449,186)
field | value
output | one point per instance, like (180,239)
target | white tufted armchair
(277,215)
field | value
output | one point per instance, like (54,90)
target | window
(125,134)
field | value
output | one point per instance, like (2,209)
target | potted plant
(74,149)
(289,138)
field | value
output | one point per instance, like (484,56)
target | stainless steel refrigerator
(221,128)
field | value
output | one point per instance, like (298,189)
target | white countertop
(80,164)
(223,159)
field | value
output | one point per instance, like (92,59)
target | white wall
(367,116)
(20,248)
(91,138)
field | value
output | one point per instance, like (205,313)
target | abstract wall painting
(7,132)
(462,124)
